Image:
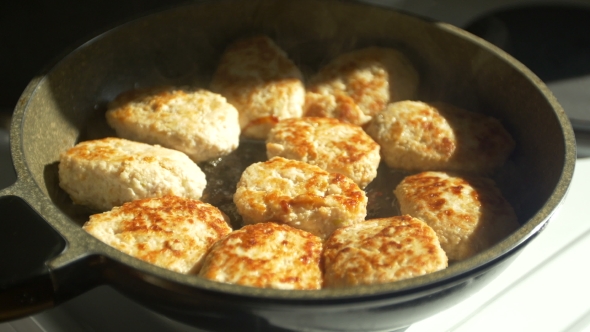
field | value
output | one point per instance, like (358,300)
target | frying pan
(47,258)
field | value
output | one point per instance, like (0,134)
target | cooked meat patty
(259,79)
(469,214)
(108,172)
(356,85)
(300,195)
(169,231)
(200,123)
(335,146)
(381,250)
(266,255)
(418,136)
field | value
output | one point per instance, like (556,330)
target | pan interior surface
(181,46)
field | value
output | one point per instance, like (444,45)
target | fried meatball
(335,146)
(469,214)
(419,136)
(259,79)
(200,123)
(266,255)
(108,172)
(356,85)
(169,231)
(300,195)
(381,250)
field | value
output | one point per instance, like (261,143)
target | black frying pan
(48,258)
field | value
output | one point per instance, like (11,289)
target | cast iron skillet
(52,259)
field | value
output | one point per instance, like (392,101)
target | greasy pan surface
(181,46)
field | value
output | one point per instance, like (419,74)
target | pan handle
(27,242)
(28,284)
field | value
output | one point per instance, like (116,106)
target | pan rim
(459,271)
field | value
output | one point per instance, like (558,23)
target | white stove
(547,286)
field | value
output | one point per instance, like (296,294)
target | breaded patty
(169,231)
(381,250)
(356,85)
(300,195)
(419,136)
(469,214)
(108,172)
(200,123)
(266,255)
(335,146)
(259,79)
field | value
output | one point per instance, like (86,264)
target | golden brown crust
(483,143)
(108,172)
(333,145)
(381,250)
(266,255)
(422,136)
(469,214)
(98,152)
(198,122)
(357,85)
(336,105)
(300,195)
(259,79)
(170,231)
